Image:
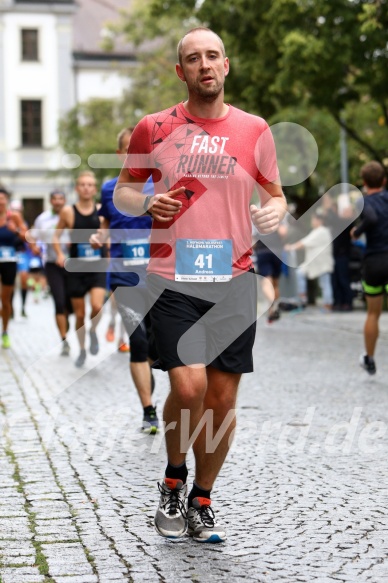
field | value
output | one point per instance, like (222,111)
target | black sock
(177,472)
(197,492)
(149,409)
(24,297)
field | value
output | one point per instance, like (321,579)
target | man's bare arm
(127,195)
(129,199)
(66,221)
(273,208)
(101,236)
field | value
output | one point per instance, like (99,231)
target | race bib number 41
(203,260)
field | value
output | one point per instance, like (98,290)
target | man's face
(86,187)
(125,143)
(57,203)
(204,66)
(315,222)
(124,146)
(3,201)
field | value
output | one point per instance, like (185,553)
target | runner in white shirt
(42,232)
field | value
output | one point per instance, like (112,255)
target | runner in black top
(374,224)
(12,233)
(86,274)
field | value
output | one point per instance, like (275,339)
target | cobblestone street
(303,492)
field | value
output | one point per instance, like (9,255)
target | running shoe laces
(171,515)
(172,502)
(205,511)
(202,525)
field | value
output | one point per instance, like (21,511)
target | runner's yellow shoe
(6,343)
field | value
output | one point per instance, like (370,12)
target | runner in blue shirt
(129,253)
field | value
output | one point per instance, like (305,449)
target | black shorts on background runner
(269,264)
(375,274)
(222,310)
(79,284)
(134,308)
(8,271)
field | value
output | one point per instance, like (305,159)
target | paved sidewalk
(303,492)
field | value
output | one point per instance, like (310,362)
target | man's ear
(180,73)
(226,66)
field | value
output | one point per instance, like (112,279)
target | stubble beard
(207,94)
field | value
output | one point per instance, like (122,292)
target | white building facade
(48,64)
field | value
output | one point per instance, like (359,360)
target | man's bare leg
(141,375)
(61,321)
(371,326)
(188,388)
(220,397)
(210,450)
(79,312)
(97,295)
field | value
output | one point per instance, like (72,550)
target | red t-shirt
(218,161)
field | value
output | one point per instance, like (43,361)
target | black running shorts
(205,323)
(133,305)
(79,284)
(57,280)
(8,270)
(375,274)
(269,264)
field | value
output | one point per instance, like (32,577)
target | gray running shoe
(150,422)
(65,348)
(94,346)
(170,517)
(202,525)
(81,359)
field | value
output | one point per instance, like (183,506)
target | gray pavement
(303,491)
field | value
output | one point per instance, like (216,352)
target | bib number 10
(201,263)
(138,252)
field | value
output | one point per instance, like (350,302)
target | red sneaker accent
(172,482)
(203,501)
(124,347)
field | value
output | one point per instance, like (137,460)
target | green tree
(323,62)
(92,128)
(155,34)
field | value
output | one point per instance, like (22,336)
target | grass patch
(40,559)
(41,562)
